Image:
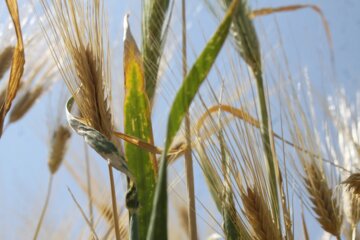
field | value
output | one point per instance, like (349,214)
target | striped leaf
(137,123)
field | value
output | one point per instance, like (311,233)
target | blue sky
(24,145)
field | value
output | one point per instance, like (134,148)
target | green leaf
(180,106)
(137,123)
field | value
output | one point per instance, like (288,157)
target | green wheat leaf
(137,123)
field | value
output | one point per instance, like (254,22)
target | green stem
(188,153)
(265,137)
(37,231)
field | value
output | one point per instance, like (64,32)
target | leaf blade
(137,123)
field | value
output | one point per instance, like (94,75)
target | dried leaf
(17,66)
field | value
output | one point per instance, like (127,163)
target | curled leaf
(104,147)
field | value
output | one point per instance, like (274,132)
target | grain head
(259,216)
(82,56)
(325,205)
(24,103)
(58,147)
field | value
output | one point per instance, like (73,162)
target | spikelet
(58,147)
(5,60)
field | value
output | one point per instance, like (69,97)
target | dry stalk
(17,65)
(43,211)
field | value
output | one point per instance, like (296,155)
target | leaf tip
(126,26)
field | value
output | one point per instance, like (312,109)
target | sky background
(24,146)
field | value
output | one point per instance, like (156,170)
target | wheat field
(175,119)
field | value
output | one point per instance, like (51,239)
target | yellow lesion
(134,72)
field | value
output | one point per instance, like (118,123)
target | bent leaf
(137,123)
(104,147)
(180,106)
(17,66)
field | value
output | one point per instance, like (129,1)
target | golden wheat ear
(325,205)
(79,48)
